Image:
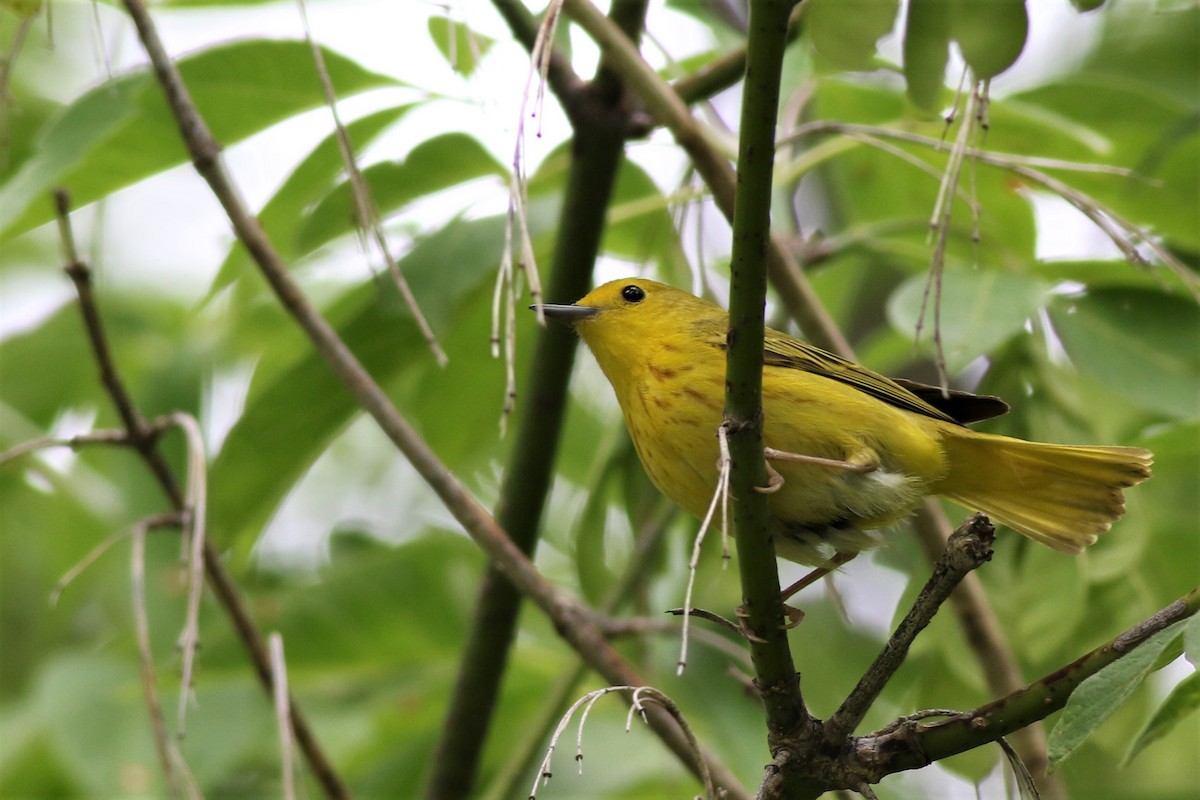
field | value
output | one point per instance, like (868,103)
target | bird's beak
(567,314)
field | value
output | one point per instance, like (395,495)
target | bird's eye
(633,294)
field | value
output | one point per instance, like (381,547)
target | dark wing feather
(965,407)
(781,350)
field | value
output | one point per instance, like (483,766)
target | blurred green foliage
(1087,349)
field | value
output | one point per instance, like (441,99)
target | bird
(849,451)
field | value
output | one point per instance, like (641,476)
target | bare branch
(366,209)
(669,110)
(73,442)
(639,697)
(168,754)
(144,438)
(570,617)
(282,712)
(194,540)
(968,548)
(910,744)
(982,631)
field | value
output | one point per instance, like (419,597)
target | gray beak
(567,314)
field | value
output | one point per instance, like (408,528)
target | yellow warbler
(663,351)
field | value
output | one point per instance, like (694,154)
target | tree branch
(722,73)
(600,120)
(987,641)
(968,547)
(775,671)
(913,744)
(564,83)
(143,436)
(666,107)
(571,619)
(970,602)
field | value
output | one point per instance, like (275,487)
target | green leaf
(926,50)
(443,271)
(283,214)
(980,310)
(591,567)
(640,226)
(1087,5)
(1146,345)
(1097,697)
(1047,603)
(122,132)
(436,164)
(990,34)
(1114,274)
(87,703)
(22,8)
(1183,701)
(845,31)
(462,47)
(1191,640)
(1166,508)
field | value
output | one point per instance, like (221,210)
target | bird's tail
(1063,496)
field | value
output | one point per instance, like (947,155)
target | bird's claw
(794,617)
(747,634)
(793,614)
(774,481)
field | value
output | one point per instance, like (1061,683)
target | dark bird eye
(633,294)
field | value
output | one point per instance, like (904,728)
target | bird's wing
(963,406)
(781,350)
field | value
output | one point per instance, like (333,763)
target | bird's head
(638,308)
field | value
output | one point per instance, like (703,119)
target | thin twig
(139,430)
(939,224)
(638,625)
(1120,230)
(712,163)
(80,566)
(990,157)
(510,272)
(640,696)
(194,538)
(144,437)
(968,547)
(721,498)
(569,616)
(74,442)
(282,714)
(911,744)
(137,570)
(367,210)
(1104,218)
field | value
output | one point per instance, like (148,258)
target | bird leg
(863,461)
(820,572)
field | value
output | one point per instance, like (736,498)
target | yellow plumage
(663,352)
